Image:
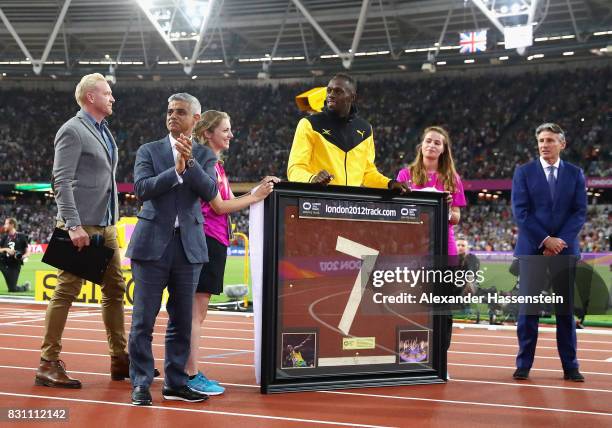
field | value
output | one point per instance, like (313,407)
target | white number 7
(359,251)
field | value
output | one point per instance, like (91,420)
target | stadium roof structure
(184,39)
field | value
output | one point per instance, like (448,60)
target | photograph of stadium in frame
(325,284)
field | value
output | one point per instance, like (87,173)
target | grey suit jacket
(83,173)
(157,185)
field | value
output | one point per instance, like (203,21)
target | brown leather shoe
(53,373)
(120,367)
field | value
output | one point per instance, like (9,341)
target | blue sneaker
(204,386)
(201,376)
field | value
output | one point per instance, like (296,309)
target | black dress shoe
(573,375)
(521,374)
(141,396)
(183,394)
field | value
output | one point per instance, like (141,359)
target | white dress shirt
(175,155)
(546,165)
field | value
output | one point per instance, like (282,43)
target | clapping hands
(184,148)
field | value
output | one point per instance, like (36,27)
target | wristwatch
(73,228)
(190,163)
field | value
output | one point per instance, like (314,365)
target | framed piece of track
(337,312)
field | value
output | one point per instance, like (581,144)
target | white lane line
(247,350)
(158,379)
(609,360)
(606,342)
(514,356)
(182,409)
(250,339)
(455,342)
(515,346)
(205,323)
(70,371)
(452,351)
(251,365)
(163,325)
(22,314)
(209,313)
(105,342)
(514,368)
(104,331)
(244,385)
(71,316)
(80,307)
(601,332)
(89,354)
(14,317)
(519,384)
(469,403)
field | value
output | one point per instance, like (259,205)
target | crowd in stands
(491,119)
(35,216)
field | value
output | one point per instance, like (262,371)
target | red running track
(481,392)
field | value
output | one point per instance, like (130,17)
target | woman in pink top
(215,131)
(434,167)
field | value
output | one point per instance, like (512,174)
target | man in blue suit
(549,204)
(168,247)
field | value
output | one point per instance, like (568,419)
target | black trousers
(537,274)
(11,276)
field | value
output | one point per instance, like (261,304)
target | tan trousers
(68,289)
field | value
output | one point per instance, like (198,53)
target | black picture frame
(274,377)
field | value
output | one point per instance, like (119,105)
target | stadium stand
(490,117)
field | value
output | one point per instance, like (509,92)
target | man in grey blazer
(168,247)
(86,195)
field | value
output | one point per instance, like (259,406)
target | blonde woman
(214,130)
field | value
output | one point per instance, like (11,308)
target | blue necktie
(551,181)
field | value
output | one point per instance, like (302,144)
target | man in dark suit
(86,195)
(168,247)
(549,204)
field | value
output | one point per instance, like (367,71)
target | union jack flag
(475,41)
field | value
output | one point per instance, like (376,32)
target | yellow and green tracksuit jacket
(344,147)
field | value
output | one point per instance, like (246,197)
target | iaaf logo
(311,206)
(408,211)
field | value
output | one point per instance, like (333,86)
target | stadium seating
(491,120)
